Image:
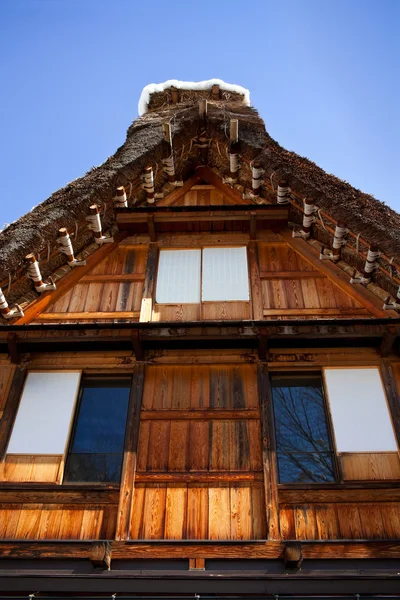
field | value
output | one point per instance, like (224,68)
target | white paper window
(178,279)
(44,415)
(359,410)
(225,274)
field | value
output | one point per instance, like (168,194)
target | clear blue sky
(324,75)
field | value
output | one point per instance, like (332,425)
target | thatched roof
(37,231)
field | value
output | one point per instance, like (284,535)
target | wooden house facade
(200,372)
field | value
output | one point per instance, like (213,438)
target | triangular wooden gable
(290,288)
(204,188)
(291,281)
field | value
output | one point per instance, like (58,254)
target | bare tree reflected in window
(96,447)
(303,446)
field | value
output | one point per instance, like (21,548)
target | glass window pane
(178,279)
(97,445)
(359,410)
(302,438)
(225,274)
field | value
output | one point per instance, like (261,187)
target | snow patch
(188,85)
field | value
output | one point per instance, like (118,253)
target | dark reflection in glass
(96,448)
(303,446)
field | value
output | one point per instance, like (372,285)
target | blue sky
(323,74)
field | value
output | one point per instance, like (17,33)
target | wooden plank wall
(199,470)
(368,466)
(291,287)
(338,521)
(42,521)
(31,468)
(203,195)
(115,285)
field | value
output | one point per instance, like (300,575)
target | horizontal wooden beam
(114,278)
(222,549)
(213,214)
(73,316)
(290,274)
(198,477)
(190,414)
(344,494)
(339,312)
(28,493)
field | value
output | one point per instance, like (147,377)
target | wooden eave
(143,338)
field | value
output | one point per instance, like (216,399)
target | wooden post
(337,243)
(149,281)
(34,271)
(256,179)
(10,409)
(268,453)
(215,92)
(130,455)
(100,555)
(174,95)
(13,350)
(203,109)
(392,394)
(234,131)
(66,244)
(148,184)
(255,281)
(370,262)
(308,217)
(120,199)
(292,555)
(283,192)
(95,222)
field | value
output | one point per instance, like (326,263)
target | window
(359,410)
(362,433)
(97,443)
(45,412)
(45,423)
(304,450)
(210,274)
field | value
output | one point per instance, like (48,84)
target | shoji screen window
(208,274)
(304,449)
(363,430)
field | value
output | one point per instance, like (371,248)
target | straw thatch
(144,146)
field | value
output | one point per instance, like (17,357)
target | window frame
(201,247)
(329,426)
(59,482)
(340,482)
(74,422)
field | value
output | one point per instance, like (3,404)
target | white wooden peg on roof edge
(66,248)
(94,224)
(369,267)
(6,311)
(395,304)
(33,273)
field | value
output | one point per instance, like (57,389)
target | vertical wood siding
(57,522)
(339,521)
(298,289)
(175,442)
(96,293)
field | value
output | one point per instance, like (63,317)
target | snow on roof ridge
(188,85)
